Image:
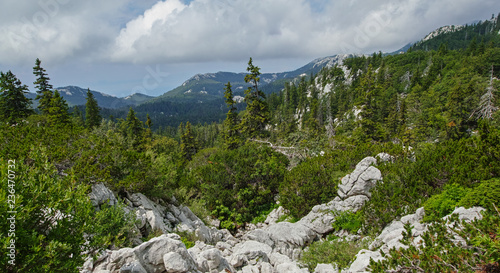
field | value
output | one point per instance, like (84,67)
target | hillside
(75,95)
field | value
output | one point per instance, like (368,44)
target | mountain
(75,95)
(209,86)
(461,36)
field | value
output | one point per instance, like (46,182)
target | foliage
(188,142)
(486,195)
(13,103)
(348,221)
(442,204)
(440,252)
(332,251)
(239,184)
(54,217)
(231,134)
(256,116)
(92,115)
(57,112)
(44,92)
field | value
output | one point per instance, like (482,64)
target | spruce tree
(78,116)
(188,143)
(44,92)
(13,103)
(92,116)
(134,125)
(58,110)
(231,133)
(257,113)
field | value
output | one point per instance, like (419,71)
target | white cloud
(207,30)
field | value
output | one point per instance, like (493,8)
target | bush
(348,221)
(238,185)
(441,253)
(56,226)
(442,204)
(485,195)
(331,251)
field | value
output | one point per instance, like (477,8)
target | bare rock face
(101,195)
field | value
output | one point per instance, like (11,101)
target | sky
(121,47)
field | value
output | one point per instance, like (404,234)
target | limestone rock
(101,195)
(249,253)
(326,268)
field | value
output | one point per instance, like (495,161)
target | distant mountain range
(75,95)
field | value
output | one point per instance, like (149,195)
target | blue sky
(122,46)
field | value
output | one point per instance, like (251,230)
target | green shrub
(331,251)
(349,221)
(442,204)
(441,253)
(312,182)
(485,195)
(238,185)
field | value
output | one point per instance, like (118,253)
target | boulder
(326,268)
(362,260)
(250,253)
(154,256)
(275,215)
(101,195)
(361,180)
(291,268)
(175,263)
(133,267)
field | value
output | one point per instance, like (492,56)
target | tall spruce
(188,143)
(58,110)
(92,111)
(231,133)
(44,88)
(134,125)
(256,117)
(13,103)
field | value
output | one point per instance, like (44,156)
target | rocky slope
(270,247)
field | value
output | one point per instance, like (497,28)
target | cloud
(58,30)
(207,30)
(182,31)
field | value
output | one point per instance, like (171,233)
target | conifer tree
(44,92)
(58,110)
(149,123)
(92,116)
(231,134)
(134,125)
(13,103)
(257,113)
(78,116)
(188,143)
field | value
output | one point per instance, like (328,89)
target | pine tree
(231,133)
(78,116)
(149,123)
(134,125)
(92,116)
(58,110)
(257,113)
(13,103)
(188,143)
(44,92)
